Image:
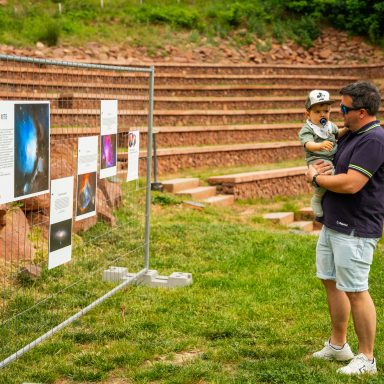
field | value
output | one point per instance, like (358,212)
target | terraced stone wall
(269,188)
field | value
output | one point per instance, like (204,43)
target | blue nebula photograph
(86,193)
(31,151)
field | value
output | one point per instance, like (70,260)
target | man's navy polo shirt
(362,151)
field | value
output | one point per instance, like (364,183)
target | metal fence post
(149,168)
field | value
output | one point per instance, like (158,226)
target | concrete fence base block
(179,279)
(151,278)
(114,273)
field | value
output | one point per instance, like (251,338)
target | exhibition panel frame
(70,208)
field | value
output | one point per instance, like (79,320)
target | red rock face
(39,219)
(84,225)
(3,211)
(112,193)
(16,223)
(103,210)
(15,244)
(35,203)
(331,47)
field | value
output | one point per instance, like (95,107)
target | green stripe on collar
(373,126)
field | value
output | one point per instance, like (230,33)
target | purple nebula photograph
(61,234)
(108,151)
(31,149)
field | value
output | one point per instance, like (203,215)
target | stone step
(92,101)
(175,159)
(192,79)
(238,90)
(14,87)
(227,103)
(316,232)
(177,185)
(220,200)
(268,184)
(198,193)
(283,218)
(307,212)
(91,117)
(225,134)
(113,77)
(368,70)
(228,117)
(305,226)
(17,90)
(199,135)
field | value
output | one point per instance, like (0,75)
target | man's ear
(363,113)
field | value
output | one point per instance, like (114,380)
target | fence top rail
(33,60)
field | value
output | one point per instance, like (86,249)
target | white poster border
(94,169)
(108,108)
(62,255)
(8,105)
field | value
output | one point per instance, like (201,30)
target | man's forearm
(340,183)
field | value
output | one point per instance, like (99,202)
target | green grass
(153,23)
(254,314)
(25,22)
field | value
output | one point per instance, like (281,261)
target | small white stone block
(151,278)
(114,274)
(179,279)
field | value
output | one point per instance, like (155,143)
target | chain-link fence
(36,302)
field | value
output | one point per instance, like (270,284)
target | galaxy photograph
(61,235)
(108,151)
(86,193)
(31,152)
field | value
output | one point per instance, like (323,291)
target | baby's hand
(326,145)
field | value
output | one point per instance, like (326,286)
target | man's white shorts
(344,259)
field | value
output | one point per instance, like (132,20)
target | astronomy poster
(86,186)
(60,222)
(133,155)
(108,139)
(24,149)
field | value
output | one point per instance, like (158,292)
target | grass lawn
(254,314)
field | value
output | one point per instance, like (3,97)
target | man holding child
(353,215)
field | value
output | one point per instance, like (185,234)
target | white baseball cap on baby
(317,97)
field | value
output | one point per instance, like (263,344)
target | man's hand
(326,145)
(349,183)
(322,168)
(318,168)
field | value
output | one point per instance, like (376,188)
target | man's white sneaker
(359,365)
(329,353)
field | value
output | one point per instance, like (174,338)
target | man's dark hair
(364,95)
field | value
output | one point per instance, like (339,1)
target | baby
(318,137)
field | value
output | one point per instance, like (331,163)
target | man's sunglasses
(345,109)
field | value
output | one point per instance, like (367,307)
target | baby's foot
(316,206)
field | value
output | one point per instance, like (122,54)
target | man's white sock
(335,346)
